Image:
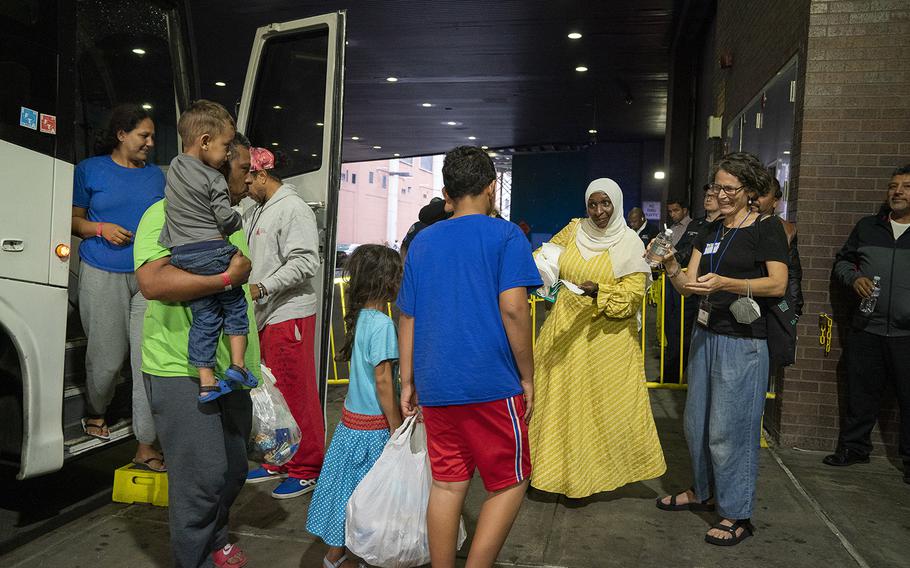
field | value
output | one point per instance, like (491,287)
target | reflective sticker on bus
(28,118)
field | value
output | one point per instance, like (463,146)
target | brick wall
(854,129)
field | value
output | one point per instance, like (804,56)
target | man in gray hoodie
(284,247)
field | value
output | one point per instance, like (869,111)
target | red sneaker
(231,556)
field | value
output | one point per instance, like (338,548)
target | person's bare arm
(406,364)
(85,229)
(385,393)
(516,317)
(160,280)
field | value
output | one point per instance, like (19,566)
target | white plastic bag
(275,436)
(386,516)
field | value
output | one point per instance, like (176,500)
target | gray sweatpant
(205,445)
(112,309)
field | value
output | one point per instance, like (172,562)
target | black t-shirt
(745,252)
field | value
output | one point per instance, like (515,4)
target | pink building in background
(380,200)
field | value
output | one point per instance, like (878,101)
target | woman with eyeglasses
(740,260)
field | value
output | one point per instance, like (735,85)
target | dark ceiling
(503,70)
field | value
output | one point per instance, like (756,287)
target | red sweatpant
(287,349)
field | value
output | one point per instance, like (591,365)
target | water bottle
(867,306)
(660,246)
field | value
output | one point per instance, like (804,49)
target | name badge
(711,248)
(704,312)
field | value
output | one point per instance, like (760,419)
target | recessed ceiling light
(355,137)
(426,105)
(484,147)
(377,147)
(581,69)
(659,175)
(396,154)
(220,84)
(492,154)
(472,138)
(277,107)
(139,51)
(296,149)
(574,35)
(452,123)
(147,106)
(314,155)
(786,152)
(592,131)
(274,143)
(392,79)
(320,124)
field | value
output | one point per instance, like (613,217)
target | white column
(391,222)
(438,160)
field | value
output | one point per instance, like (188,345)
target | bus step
(77,442)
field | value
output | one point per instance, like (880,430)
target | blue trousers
(728,378)
(224,310)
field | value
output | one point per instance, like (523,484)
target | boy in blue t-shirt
(465,346)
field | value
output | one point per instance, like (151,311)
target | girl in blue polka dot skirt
(371,409)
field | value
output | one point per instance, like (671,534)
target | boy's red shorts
(491,436)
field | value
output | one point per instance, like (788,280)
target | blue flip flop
(208,393)
(239,376)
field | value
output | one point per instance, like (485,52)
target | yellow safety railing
(656,298)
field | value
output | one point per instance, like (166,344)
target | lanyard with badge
(711,249)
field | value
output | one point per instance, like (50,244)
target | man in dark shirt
(645,229)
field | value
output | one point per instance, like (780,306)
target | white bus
(63,65)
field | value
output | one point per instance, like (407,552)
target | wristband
(227,281)
(98,232)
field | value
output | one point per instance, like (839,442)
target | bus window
(123,55)
(287,117)
(28,70)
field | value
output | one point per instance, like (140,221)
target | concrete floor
(808,515)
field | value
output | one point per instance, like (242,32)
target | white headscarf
(625,246)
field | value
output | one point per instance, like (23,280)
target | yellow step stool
(133,484)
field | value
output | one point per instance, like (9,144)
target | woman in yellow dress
(592,428)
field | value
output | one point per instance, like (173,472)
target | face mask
(745,310)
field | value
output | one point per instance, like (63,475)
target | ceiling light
(592,131)
(296,149)
(492,154)
(396,154)
(314,155)
(786,152)
(277,107)
(484,147)
(659,175)
(355,137)
(426,105)
(274,143)
(472,138)
(392,79)
(581,68)
(377,147)
(320,124)
(147,106)
(574,35)
(451,123)
(220,84)
(139,51)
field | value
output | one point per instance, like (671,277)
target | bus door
(292,105)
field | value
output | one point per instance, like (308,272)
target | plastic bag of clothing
(386,516)
(547,261)
(275,435)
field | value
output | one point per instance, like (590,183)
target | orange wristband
(98,232)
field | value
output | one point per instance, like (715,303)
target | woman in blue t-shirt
(110,193)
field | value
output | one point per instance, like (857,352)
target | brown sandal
(146,464)
(100,427)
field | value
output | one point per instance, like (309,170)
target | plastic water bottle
(660,246)
(867,306)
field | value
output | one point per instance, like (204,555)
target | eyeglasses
(715,189)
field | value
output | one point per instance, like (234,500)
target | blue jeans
(225,310)
(728,378)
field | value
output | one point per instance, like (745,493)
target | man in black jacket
(878,347)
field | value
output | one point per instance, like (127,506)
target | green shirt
(166,328)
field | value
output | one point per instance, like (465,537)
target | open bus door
(292,105)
